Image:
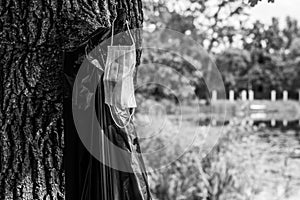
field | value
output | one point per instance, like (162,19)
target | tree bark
(33,36)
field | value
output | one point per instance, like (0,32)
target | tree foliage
(254,2)
(256,56)
(209,23)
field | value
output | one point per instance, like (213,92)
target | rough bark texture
(33,36)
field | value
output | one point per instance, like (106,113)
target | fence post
(244,95)
(273,95)
(250,122)
(214,122)
(273,122)
(285,95)
(214,95)
(231,95)
(251,95)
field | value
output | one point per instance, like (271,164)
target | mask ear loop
(127,23)
(133,43)
(112,32)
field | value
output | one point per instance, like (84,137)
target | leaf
(254,2)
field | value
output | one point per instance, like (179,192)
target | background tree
(33,37)
(254,2)
(260,53)
(212,25)
(272,63)
(234,65)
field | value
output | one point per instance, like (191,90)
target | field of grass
(237,161)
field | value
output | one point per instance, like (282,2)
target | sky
(264,11)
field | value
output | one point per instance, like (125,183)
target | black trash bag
(86,177)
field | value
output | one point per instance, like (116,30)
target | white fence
(249,95)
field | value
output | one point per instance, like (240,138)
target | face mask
(118,81)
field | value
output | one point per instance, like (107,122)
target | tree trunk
(33,37)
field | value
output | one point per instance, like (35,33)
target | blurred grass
(226,110)
(246,162)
